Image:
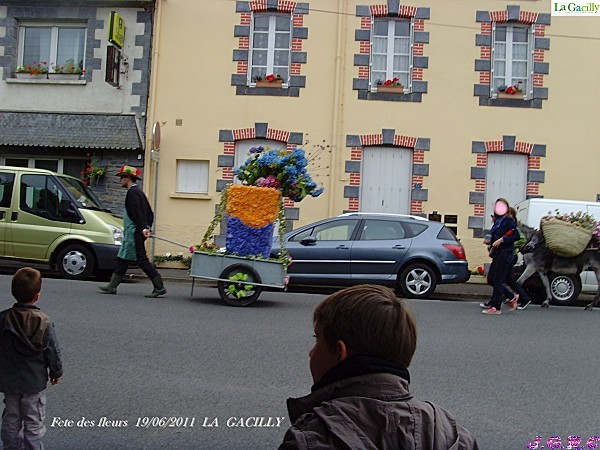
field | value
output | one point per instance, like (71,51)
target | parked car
(564,288)
(409,253)
(54,219)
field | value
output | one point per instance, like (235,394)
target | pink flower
(270,181)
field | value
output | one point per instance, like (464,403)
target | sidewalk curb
(473,290)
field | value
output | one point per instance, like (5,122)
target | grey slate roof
(109,131)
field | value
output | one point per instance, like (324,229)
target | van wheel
(75,262)
(564,288)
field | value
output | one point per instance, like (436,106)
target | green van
(46,217)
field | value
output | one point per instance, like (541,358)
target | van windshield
(84,197)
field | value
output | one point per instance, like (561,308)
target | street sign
(116,29)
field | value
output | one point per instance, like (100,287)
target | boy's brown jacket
(371,412)
(29,351)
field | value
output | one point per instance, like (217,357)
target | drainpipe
(150,115)
(337,117)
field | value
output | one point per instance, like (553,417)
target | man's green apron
(127,250)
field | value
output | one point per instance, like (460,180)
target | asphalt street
(134,361)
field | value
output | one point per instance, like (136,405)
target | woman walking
(504,233)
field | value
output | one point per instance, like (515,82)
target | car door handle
(2,213)
(342,247)
(398,247)
(14,216)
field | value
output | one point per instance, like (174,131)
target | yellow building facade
(497,99)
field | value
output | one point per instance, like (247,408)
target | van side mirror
(67,210)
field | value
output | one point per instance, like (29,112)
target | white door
(507,178)
(386,180)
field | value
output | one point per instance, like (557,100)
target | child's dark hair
(26,283)
(371,321)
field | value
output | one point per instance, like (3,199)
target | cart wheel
(238,292)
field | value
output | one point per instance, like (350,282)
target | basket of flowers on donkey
(252,210)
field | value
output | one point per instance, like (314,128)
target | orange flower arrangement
(254,206)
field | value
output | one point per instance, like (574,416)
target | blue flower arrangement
(279,169)
(244,240)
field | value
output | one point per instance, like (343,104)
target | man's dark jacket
(138,208)
(29,351)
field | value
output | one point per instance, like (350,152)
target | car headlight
(117,235)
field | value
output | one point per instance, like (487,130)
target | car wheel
(238,291)
(75,262)
(417,281)
(564,289)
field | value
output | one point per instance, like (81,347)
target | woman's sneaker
(491,310)
(523,306)
(484,305)
(512,305)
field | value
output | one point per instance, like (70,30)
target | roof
(109,131)
(73,3)
(366,214)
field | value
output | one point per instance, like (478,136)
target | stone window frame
(297,57)
(509,144)
(226,160)
(387,138)
(512,15)
(362,60)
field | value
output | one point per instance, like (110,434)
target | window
(511,58)
(337,230)
(374,230)
(113,65)
(270,46)
(61,45)
(7,181)
(391,51)
(73,167)
(40,195)
(192,176)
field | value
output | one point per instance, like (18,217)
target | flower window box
(30,76)
(515,96)
(64,76)
(277,84)
(393,89)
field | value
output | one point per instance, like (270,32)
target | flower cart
(251,210)
(240,280)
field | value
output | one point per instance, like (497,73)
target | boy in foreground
(365,340)
(29,355)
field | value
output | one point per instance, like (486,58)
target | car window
(7,181)
(40,195)
(336,230)
(85,196)
(446,234)
(415,228)
(382,230)
(339,230)
(302,235)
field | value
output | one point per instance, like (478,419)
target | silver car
(409,253)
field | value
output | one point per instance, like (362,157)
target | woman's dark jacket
(505,228)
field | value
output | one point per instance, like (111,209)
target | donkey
(538,258)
